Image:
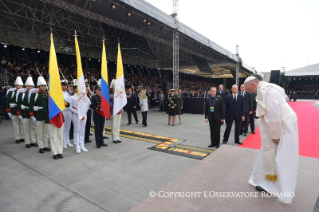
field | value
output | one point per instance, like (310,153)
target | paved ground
(115,178)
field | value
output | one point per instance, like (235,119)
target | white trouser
(116,127)
(29,131)
(79,130)
(56,136)
(42,134)
(67,125)
(17,128)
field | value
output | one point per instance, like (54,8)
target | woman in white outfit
(79,125)
(144,106)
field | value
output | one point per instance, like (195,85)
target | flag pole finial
(75,35)
(118,39)
(103,38)
(51,31)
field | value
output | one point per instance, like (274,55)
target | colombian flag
(56,101)
(105,101)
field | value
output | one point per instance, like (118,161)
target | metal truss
(175,46)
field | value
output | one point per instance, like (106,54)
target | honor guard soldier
(79,125)
(23,108)
(71,92)
(171,107)
(67,113)
(12,111)
(98,117)
(116,120)
(55,133)
(38,113)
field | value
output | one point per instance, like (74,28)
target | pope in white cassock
(276,167)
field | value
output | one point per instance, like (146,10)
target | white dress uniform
(79,125)
(67,113)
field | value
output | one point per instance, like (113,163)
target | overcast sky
(271,34)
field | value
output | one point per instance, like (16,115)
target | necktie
(235,98)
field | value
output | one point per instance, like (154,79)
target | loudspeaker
(275,77)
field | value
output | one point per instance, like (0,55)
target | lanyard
(211,101)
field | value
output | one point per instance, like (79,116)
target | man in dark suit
(89,117)
(215,115)
(248,109)
(252,116)
(235,108)
(221,93)
(131,106)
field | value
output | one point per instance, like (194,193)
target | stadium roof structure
(312,70)
(144,31)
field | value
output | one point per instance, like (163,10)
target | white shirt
(235,95)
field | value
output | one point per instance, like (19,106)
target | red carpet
(308,117)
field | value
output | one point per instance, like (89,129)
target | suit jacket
(131,101)
(248,101)
(219,109)
(223,95)
(235,109)
(253,96)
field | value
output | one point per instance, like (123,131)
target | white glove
(10,116)
(33,119)
(21,119)
(101,109)
(12,105)
(35,108)
(22,107)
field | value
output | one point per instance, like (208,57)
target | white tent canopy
(312,70)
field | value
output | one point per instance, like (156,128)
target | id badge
(211,109)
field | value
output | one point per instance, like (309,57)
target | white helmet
(113,83)
(99,82)
(18,81)
(29,82)
(41,81)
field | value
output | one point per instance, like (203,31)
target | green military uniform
(38,109)
(28,125)
(12,108)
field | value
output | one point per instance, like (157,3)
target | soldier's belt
(12,105)
(24,107)
(36,108)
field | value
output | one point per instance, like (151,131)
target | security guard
(12,111)
(38,114)
(98,117)
(23,108)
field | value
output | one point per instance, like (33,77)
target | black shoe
(259,188)
(217,147)
(47,149)
(245,134)
(210,146)
(104,137)
(104,145)
(71,138)
(22,140)
(253,132)
(240,133)
(41,151)
(137,122)
(90,134)
(18,141)
(34,144)
(60,155)
(239,143)
(98,146)
(173,125)
(118,141)
(27,146)
(129,124)
(143,125)
(55,157)
(115,142)
(88,141)
(168,124)
(224,142)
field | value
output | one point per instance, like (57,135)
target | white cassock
(276,167)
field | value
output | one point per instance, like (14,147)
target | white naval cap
(250,78)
